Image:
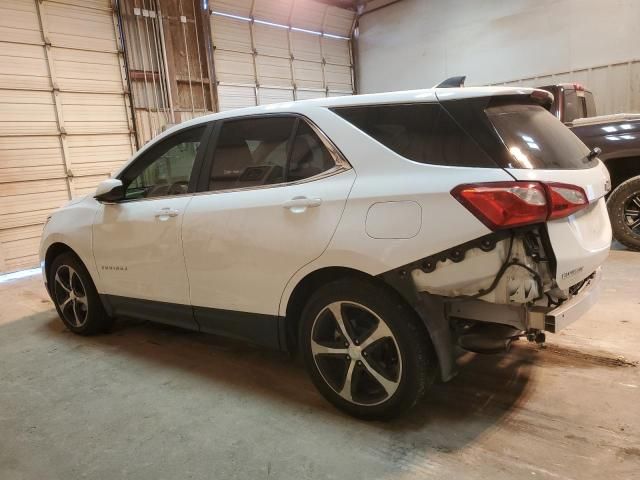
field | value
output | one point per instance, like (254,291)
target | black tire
(621,202)
(363,304)
(75,296)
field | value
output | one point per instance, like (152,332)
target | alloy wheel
(71,296)
(632,213)
(356,353)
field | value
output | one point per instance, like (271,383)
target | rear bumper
(576,306)
(532,318)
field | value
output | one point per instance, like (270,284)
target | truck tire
(624,211)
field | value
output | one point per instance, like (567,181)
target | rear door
(273,195)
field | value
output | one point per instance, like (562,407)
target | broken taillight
(512,204)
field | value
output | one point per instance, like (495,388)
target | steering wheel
(177,188)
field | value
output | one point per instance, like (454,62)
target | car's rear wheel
(624,211)
(75,296)
(365,350)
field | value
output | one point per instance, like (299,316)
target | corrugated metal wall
(616,88)
(420,43)
(269,51)
(64,115)
(183,63)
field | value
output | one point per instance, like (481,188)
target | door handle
(167,212)
(300,204)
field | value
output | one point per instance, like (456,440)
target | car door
(137,242)
(274,194)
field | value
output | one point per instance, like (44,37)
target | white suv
(373,234)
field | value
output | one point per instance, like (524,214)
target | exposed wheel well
(622,169)
(305,288)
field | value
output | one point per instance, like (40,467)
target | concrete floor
(153,402)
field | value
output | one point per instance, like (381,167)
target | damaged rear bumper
(571,310)
(542,318)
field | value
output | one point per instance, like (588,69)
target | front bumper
(575,307)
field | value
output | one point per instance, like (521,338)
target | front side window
(254,152)
(166,169)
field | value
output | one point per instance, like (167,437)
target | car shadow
(452,415)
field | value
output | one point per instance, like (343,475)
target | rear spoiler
(543,98)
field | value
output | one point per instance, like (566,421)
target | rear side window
(309,156)
(536,139)
(253,152)
(422,132)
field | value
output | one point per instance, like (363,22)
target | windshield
(536,139)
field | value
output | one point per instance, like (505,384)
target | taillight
(565,199)
(512,204)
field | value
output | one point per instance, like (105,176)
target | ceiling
(348,4)
(360,6)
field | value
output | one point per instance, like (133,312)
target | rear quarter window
(422,132)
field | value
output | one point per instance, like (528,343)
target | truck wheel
(365,352)
(624,211)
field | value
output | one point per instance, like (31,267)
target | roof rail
(452,82)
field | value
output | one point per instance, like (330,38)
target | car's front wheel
(365,350)
(75,296)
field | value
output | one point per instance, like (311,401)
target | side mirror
(110,190)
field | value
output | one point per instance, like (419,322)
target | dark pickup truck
(618,137)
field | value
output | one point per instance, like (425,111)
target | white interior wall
(418,43)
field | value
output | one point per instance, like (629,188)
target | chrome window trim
(327,173)
(136,200)
(338,158)
(337,169)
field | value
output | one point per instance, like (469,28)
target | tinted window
(420,132)
(309,156)
(251,152)
(265,151)
(591,104)
(537,139)
(574,106)
(165,169)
